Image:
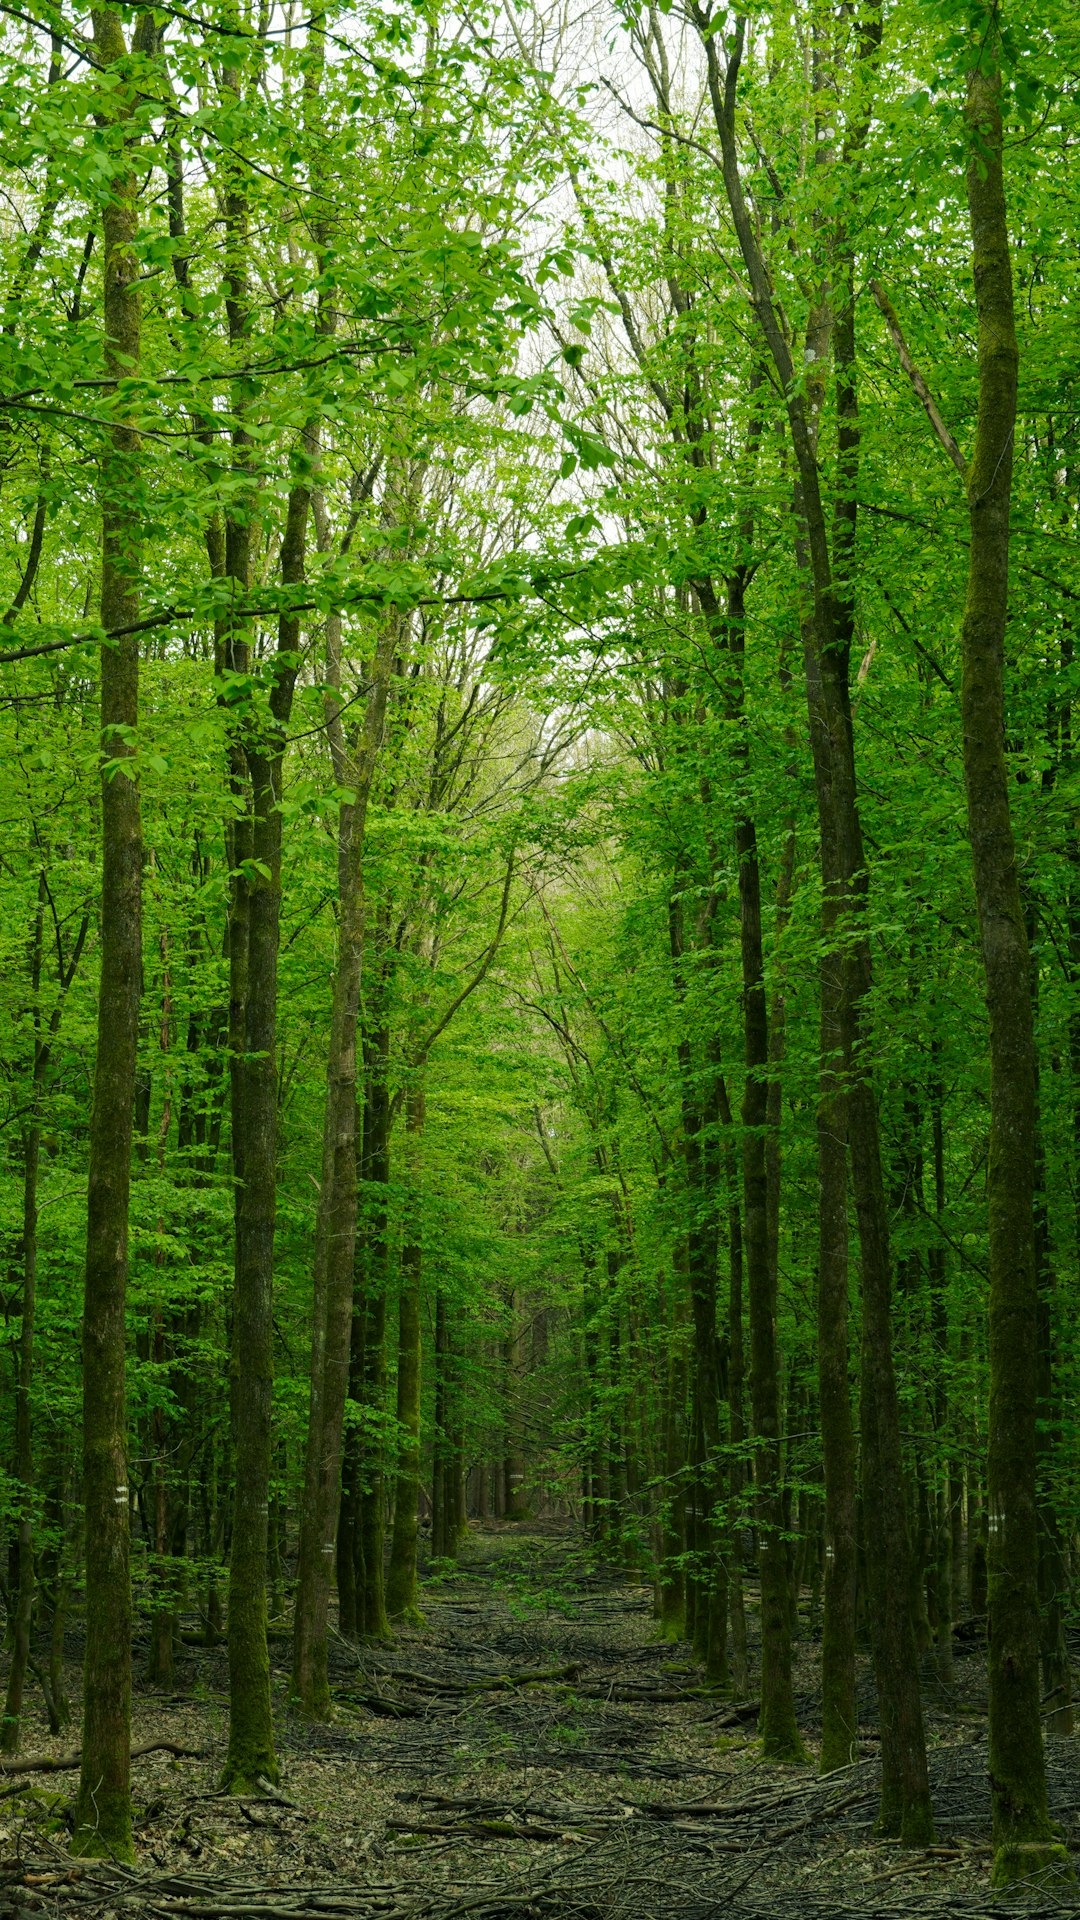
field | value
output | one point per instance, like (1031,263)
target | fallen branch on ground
(68,1762)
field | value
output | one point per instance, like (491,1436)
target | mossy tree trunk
(1021,1823)
(826,638)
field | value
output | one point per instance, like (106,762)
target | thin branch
(919,386)
(482,969)
(33,559)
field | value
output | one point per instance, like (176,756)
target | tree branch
(919,386)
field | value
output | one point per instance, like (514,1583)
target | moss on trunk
(1023,1839)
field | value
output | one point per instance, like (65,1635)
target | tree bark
(1021,1826)
(401,1585)
(251,1752)
(103,1808)
(839,1715)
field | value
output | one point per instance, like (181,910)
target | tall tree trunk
(593,1504)
(401,1585)
(442,1537)
(103,1808)
(59,1566)
(708,1578)
(335,1241)
(706,1589)
(24,1448)
(839,1720)
(905,1787)
(1022,1832)
(737,1474)
(777,1724)
(947,1594)
(839,1716)
(371,1600)
(670,1603)
(1053,1574)
(350,1545)
(251,1752)
(515,1498)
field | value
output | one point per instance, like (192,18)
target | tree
(103,1812)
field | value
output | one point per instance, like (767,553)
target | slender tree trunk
(738,1475)
(1053,1575)
(350,1548)
(1022,1832)
(59,1570)
(371,1603)
(740,1657)
(709,1642)
(670,1587)
(826,631)
(442,1523)
(24,1450)
(336,1230)
(839,1717)
(594,1510)
(372,1615)
(706,1588)
(459,1523)
(350,1544)
(401,1585)
(839,1720)
(946,1556)
(777,1724)
(515,1498)
(251,1752)
(103,1808)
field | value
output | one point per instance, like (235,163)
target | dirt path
(530,1751)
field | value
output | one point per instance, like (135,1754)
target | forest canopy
(540,850)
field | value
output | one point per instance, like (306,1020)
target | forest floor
(532,1751)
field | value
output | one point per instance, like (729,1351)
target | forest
(539,958)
